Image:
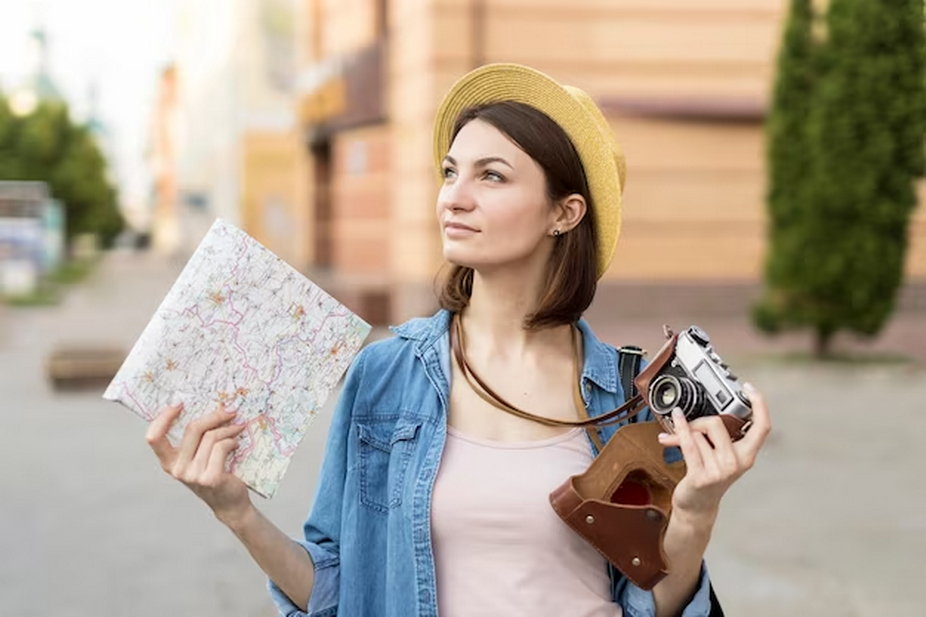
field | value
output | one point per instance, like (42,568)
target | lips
(458,227)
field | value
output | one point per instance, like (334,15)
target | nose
(456,196)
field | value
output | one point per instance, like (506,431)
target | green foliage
(47,145)
(845,146)
(73,271)
(44,296)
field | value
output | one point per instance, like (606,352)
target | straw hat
(573,110)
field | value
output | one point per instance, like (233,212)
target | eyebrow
(482,162)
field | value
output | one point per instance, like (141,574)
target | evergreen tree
(789,160)
(839,263)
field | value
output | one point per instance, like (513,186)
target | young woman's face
(493,206)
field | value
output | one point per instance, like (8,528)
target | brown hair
(571,277)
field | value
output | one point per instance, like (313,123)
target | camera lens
(668,392)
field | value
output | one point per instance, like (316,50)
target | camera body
(694,378)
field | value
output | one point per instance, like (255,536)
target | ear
(569,213)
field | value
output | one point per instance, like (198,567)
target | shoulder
(383,355)
(389,376)
(399,351)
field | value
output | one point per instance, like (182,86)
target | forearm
(284,561)
(686,540)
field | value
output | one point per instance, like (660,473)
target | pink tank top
(499,547)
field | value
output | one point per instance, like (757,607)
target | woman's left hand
(714,461)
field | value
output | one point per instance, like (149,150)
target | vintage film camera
(687,373)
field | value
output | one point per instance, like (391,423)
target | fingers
(208,444)
(708,457)
(156,436)
(690,450)
(193,434)
(722,444)
(218,456)
(748,447)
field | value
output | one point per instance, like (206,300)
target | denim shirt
(369,530)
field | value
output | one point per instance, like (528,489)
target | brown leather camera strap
(626,411)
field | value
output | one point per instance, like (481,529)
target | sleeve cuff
(639,603)
(323,601)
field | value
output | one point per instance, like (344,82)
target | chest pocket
(385,450)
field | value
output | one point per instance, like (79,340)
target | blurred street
(830,523)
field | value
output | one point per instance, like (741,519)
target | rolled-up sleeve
(322,529)
(637,602)
(323,601)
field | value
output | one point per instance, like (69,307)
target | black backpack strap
(629,358)
(716,610)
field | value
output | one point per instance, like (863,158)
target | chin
(465,259)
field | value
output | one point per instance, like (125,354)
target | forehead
(478,139)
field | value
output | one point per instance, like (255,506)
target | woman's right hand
(199,461)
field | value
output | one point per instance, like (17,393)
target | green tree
(8,160)
(838,243)
(47,145)
(789,160)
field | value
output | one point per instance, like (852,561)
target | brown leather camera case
(621,504)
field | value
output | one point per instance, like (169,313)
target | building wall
(239,152)
(416,247)
(684,84)
(349,25)
(665,72)
(274,193)
(693,204)
(162,160)
(619,47)
(362,205)
(209,107)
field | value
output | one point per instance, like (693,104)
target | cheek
(517,217)
(516,230)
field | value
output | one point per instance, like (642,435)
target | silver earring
(556,233)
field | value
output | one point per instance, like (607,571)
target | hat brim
(511,82)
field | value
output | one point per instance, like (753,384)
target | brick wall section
(694,205)
(360,185)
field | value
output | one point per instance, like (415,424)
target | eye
(448,172)
(494,176)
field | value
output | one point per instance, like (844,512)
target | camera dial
(699,335)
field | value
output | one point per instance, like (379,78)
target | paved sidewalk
(830,523)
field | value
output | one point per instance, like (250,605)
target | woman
(429,496)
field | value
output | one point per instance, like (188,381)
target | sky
(121,46)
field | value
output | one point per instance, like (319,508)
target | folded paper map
(243,328)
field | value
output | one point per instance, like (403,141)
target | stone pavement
(830,523)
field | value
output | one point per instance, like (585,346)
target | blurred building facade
(236,148)
(161,156)
(308,123)
(684,83)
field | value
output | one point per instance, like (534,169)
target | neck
(494,319)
